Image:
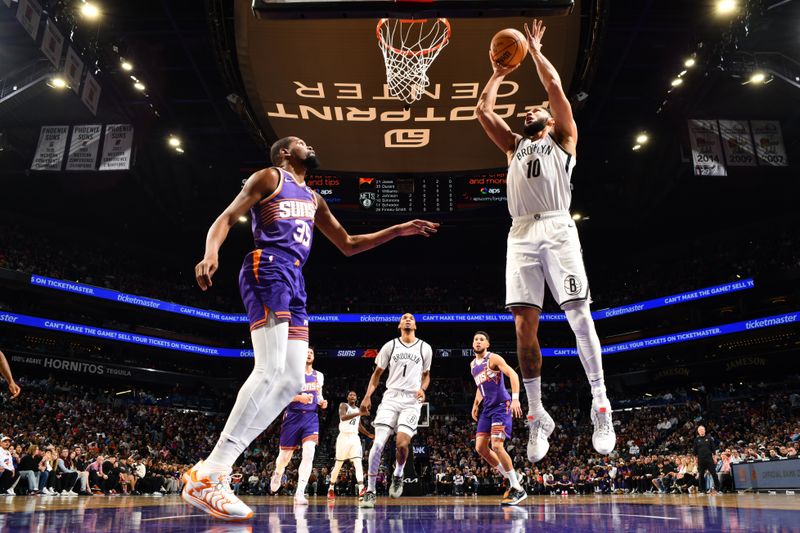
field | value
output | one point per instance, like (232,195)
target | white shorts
(544,247)
(348,447)
(399,410)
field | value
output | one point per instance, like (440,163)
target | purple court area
(170,515)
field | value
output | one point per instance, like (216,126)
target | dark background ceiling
(183,51)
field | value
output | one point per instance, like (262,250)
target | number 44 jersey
(406,363)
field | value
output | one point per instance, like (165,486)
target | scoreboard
(383,194)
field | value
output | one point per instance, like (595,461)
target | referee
(704,450)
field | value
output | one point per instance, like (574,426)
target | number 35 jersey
(406,363)
(539,177)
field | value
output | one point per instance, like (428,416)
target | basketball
(509,47)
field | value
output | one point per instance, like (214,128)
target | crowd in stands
(694,264)
(77,439)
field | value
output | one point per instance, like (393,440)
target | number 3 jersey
(271,279)
(406,363)
(539,177)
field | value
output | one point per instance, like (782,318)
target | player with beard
(348,444)
(543,243)
(494,422)
(284,211)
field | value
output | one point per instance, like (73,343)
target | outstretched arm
(5,370)
(353,244)
(565,129)
(493,124)
(257,186)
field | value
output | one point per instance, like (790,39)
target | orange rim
(426,51)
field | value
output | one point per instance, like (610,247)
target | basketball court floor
(652,513)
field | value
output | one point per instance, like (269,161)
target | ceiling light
(577,216)
(126,66)
(242,219)
(689,63)
(174,141)
(179,150)
(681,73)
(636,147)
(758,77)
(57,82)
(134,78)
(139,86)
(676,82)
(642,138)
(90,11)
(725,7)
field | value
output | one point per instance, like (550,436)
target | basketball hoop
(409,47)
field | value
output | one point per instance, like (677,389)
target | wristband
(515,396)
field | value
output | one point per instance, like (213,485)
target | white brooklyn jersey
(350,426)
(539,177)
(405,363)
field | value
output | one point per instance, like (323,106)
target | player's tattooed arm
(343,416)
(493,124)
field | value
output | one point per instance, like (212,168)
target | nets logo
(572,285)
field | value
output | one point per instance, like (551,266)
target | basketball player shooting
(543,243)
(409,362)
(284,212)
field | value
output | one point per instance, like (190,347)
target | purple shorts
(298,427)
(273,282)
(495,421)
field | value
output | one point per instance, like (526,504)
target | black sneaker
(368,501)
(396,489)
(514,497)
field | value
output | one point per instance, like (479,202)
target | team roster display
(415,194)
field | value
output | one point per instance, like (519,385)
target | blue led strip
(357,318)
(155,342)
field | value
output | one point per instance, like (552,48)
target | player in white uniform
(348,444)
(543,244)
(409,362)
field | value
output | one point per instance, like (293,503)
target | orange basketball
(509,47)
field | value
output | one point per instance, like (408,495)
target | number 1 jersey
(406,363)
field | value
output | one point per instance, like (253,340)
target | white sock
(359,473)
(262,396)
(337,466)
(580,320)
(533,389)
(398,469)
(284,456)
(382,434)
(306,463)
(513,479)
(500,469)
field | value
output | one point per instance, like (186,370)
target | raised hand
(418,227)
(535,34)
(501,71)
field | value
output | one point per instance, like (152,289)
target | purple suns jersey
(313,386)
(492,383)
(284,220)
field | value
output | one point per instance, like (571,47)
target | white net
(409,47)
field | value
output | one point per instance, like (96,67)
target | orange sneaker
(211,492)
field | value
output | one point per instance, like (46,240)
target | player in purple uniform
(494,422)
(300,429)
(284,212)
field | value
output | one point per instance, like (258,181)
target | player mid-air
(284,212)
(409,362)
(348,444)
(300,429)
(543,243)
(494,421)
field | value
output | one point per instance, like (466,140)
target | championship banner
(50,151)
(117,147)
(706,149)
(73,69)
(28,14)
(83,147)
(738,145)
(91,93)
(52,43)
(769,143)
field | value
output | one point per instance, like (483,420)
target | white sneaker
(275,482)
(604,438)
(300,499)
(10,492)
(71,493)
(211,492)
(540,426)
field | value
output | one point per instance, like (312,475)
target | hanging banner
(117,147)
(737,142)
(73,69)
(706,149)
(769,143)
(50,151)
(28,14)
(52,43)
(91,93)
(83,147)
